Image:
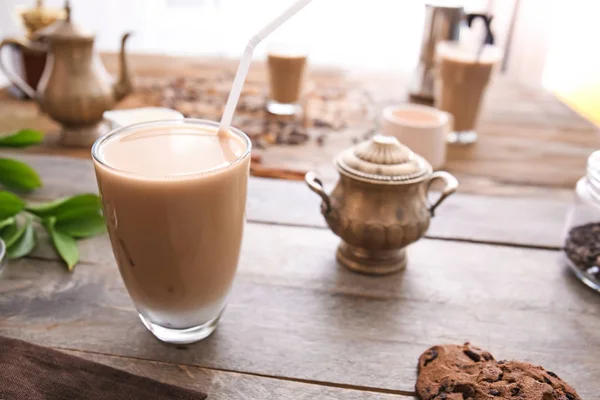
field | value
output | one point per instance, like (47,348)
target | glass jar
(582,234)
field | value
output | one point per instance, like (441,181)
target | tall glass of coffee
(463,74)
(174,198)
(286,67)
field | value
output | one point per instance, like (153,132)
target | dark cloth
(31,372)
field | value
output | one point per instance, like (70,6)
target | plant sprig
(65,220)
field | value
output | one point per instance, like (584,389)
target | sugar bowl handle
(451,186)
(315,184)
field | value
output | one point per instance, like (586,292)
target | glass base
(181,336)
(277,108)
(462,137)
(591,277)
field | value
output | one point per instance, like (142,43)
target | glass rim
(127,129)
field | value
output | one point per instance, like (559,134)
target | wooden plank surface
(528,138)
(295,314)
(526,221)
(224,385)
(300,326)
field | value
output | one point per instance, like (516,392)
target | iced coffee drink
(174,197)
(463,74)
(286,73)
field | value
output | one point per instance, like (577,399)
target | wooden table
(529,140)
(298,326)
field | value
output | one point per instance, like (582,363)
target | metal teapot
(74,89)
(380,205)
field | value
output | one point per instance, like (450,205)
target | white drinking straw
(242,71)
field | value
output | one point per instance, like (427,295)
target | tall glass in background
(286,68)
(462,77)
(174,198)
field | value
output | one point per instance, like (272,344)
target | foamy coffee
(174,196)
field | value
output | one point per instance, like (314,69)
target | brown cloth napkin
(31,372)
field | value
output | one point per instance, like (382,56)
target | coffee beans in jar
(582,233)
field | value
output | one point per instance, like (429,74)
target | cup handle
(451,186)
(315,184)
(487,20)
(14,78)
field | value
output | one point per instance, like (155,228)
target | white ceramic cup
(422,128)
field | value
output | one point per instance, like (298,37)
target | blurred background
(547,42)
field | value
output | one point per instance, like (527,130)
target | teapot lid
(382,159)
(66,29)
(39,17)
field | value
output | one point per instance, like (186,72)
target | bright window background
(573,60)
(374,34)
(553,39)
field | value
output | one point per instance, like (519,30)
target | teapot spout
(123,86)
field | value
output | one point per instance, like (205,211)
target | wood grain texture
(528,138)
(294,313)
(527,221)
(223,385)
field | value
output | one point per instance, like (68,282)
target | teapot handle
(14,78)
(315,184)
(451,186)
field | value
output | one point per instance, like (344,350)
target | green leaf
(6,222)
(81,223)
(10,205)
(12,233)
(64,244)
(59,207)
(24,244)
(22,138)
(18,175)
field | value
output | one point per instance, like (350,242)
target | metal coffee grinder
(442,22)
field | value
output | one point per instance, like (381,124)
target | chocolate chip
(495,392)
(548,381)
(552,374)
(472,355)
(570,396)
(430,356)
(466,390)
(514,391)
(487,356)
(501,362)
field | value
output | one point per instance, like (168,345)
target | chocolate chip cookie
(462,372)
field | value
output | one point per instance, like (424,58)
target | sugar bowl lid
(382,159)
